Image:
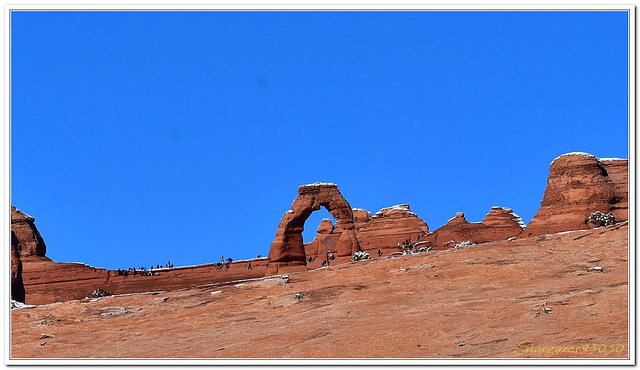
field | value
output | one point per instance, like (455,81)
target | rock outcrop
(47,281)
(499,224)
(385,231)
(326,226)
(287,251)
(27,234)
(388,227)
(36,279)
(17,285)
(618,172)
(578,185)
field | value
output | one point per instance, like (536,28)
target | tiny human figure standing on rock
(379,253)
(249,266)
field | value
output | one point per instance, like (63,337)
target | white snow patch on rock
(519,220)
(321,184)
(15,305)
(583,154)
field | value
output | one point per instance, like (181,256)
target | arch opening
(288,250)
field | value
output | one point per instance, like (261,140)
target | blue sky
(138,137)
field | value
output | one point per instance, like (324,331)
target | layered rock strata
(389,227)
(27,234)
(47,281)
(384,231)
(500,223)
(578,185)
(36,279)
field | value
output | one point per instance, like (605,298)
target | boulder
(578,185)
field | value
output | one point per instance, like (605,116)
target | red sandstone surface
(287,252)
(27,234)
(17,284)
(395,303)
(499,224)
(579,184)
(47,281)
(503,299)
(389,227)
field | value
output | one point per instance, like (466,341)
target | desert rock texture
(287,250)
(578,185)
(557,287)
(27,234)
(553,296)
(17,285)
(499,224)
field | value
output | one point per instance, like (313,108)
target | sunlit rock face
(287,252)
(578,185)
(500,223)
(25,230)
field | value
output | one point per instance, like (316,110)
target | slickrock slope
(499,224)
(27,234)
(493,300)
(579,184)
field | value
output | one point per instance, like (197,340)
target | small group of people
(224,263)
(133,271)
(328,257)
(143,270)
(407,244)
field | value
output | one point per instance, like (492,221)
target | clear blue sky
(139,137)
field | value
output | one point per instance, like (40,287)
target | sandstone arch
(287,250)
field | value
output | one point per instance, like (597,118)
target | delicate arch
(287,248)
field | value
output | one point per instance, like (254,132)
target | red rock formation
(25,230)
(47,281)
(36,279)
(325,241)
(361,217)
(618,172)
(287,251)
(492,297)
(389,226)
(579,184)
(326,226)
(17,285)
(499,224)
